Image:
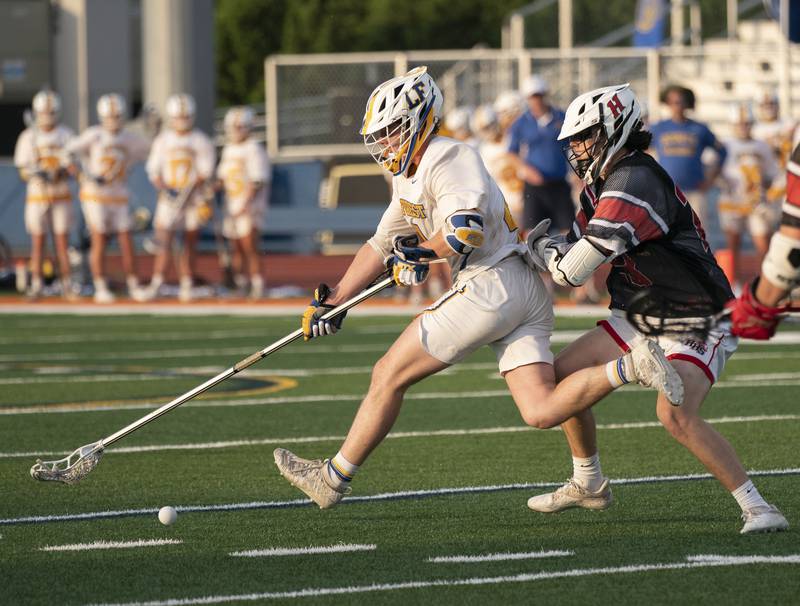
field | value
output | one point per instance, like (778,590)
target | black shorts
(553,201)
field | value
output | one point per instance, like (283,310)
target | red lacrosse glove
(751,319)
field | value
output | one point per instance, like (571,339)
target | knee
(385,376)
(534,416)
(677,422)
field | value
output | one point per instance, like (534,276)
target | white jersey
(242,164)
(181,158)
(749,169)
(108,156)
(450,177)
(44,150)
(778,135)
(503,170)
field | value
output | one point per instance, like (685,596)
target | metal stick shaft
(241,365)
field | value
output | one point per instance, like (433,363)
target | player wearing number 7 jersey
(634,217)
(181,161)
(445,205)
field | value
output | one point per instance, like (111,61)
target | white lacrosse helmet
(610,113)
(180,112)
(238,122)
(46,108)
(111,110)
(402,114)
(485,122)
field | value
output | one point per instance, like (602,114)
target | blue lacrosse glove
(312,323)
(410,262)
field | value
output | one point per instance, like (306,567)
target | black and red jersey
(641,218)
(791,208)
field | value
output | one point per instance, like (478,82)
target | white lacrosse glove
(537,241)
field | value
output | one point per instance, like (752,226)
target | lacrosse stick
(74,467)
(654,314)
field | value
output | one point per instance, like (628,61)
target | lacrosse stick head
(654,313)
(72,468)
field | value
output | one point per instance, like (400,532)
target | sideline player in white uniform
(106,153)
(181,160)
(445,205)
(245,174)
(634,217)
(42,163)
(749,170)
(493,149)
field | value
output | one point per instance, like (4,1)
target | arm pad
(573,267)
(463,231)
(781,264)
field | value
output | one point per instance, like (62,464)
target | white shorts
(39,215)
(761,221)
(106,218)
(507,307)
(236,228)
(172,218)
(709,356)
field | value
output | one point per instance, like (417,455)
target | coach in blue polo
(533,143)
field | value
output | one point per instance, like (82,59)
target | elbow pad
(463,231)
(781,264)
(575,266)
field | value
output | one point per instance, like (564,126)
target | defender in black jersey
(634,217)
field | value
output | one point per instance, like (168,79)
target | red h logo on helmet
(615,105)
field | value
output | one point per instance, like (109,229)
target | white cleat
(308,476)
(572,494)
(103,296)
(139,294)
(652,369)
(763,519)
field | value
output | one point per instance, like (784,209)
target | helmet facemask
(585,151)
(389,145)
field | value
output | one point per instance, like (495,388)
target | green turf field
(450,482)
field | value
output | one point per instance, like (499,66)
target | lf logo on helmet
(415,99)
(615,105)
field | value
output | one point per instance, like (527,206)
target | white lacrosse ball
(167,515)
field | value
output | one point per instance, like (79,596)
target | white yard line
(283,551)
(527,577)
(386,496)
(393,435)
(559,337)
(498,557)
(111,545)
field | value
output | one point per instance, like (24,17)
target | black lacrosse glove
(312,322)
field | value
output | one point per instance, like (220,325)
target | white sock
(257,282)
(100,284)
(186,281)
(36,283)
(748,496)
(587,472)
(340,471)
(156,281)
(620,371)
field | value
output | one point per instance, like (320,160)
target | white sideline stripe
(279,551)
(111,545)
(498,557)
(386,496)
(470,581)
(392,435)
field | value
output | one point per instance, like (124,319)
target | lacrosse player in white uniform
(42,163)
(181,161)
(445,205)
(244,171)
(106,152)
